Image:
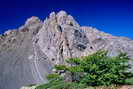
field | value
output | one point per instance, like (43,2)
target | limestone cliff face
(27,54)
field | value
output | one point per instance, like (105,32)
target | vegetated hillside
(28,54)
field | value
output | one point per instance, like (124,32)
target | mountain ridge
(29,53)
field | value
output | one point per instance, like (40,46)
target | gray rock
(28,54)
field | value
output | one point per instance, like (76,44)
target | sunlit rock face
(28,54)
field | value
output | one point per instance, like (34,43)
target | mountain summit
(28,54)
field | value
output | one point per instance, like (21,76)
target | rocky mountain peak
(29,53)
(63,18)
(62,13)
(32,20)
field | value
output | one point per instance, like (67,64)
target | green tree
(93,70)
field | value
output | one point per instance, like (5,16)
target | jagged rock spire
(63,18)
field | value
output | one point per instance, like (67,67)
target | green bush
(93,70)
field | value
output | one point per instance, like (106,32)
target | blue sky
(111,16)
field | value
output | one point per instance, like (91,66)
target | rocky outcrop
(61,38)
(28,53)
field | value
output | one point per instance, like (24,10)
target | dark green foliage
(94,70)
